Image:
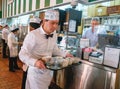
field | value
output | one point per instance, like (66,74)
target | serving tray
(58,67)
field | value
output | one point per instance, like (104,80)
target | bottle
(79,52)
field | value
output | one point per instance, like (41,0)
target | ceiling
(86,2)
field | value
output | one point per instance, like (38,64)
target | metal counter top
(100,66)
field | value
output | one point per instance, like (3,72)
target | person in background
(34,23)
(13,49)
(92,32)
(0,35)
(39,43)
(5,32)
(1,26)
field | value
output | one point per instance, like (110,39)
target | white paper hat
(52,15)
(4,24)
(14,28)
(35,19)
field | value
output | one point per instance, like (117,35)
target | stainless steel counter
(86,76)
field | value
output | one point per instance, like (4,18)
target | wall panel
(23,6)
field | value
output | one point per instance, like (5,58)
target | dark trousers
(24,79)
(54,86)
(4,48)
(13,63)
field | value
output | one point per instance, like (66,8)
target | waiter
(5,32)
(38,43)
(13,49)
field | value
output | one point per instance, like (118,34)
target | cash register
(96,57)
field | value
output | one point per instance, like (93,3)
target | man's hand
(40,64)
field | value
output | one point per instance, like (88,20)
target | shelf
(103,17)
(112,24)
(104,20)
(87,25)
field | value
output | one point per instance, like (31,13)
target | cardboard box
(113,9)
(101,11)
(91,11)
(114,2)
(117,2)
(80,29)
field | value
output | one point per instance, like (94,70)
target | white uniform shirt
(13,44)
(35,46)
(93,36)
(5,33)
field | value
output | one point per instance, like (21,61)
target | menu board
(111,57)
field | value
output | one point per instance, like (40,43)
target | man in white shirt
(38,43)
(13,49)
(5,32)
(34,23)
(92,32)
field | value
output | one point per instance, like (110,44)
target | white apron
(37,77)
(13,45)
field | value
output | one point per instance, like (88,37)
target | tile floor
(9,80)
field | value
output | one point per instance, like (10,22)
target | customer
(38,43)
(5,32)
(34,23)
(13,49)
(92,32)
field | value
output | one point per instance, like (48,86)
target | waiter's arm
(26,49)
